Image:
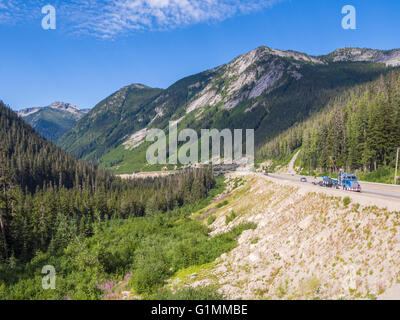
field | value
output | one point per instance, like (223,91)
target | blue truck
(348,181)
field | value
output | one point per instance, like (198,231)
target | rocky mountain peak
(65,106)
(388,57)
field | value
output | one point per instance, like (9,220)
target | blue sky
(100,46)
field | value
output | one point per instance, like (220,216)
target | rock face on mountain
(389,57)
(267,90)
(54,120)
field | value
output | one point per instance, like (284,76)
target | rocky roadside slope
(307,245)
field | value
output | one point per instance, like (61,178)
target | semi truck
(348,181)
(345,181)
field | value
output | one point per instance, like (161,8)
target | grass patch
(221,204)
(206,293)
(230,218)
(211,220)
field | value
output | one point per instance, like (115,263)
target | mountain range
(267,90)
(54,120)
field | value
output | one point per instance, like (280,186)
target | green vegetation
(382,174)
(107,125)
(144,250)
(359,131)
(206,293)
(230,218)
(221,204)
(100,135)
(211,220)
(282,161)
(92,227)
(346,201)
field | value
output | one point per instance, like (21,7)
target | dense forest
(358,130)
(52,203)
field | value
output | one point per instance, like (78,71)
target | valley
(117,227)
(199,159)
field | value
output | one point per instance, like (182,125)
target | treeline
(51,217)
(32,162)
(47,197)
(358,130)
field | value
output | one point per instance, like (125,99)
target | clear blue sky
(90,56)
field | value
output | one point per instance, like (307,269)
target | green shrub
(346,201)
(211,220)
(149,275)
(230,218)
(382,174)
(206,293)
(221,204)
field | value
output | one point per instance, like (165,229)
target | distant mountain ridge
(109,122)
(266,89)
(53,120)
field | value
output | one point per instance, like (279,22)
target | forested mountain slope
(92,226)
(32,162)
(266,89)
(48,197)
(109,122)
(359,130)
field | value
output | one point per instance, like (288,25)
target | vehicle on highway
(348,181)
(328,182)
(303,179)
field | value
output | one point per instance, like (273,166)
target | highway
(373,189)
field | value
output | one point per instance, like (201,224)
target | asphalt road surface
(377,189)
